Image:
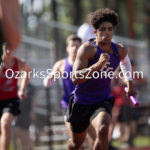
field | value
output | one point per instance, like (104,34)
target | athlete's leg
(6,121)
(91,136)
(76,140)
(101,124)
(78,116)
(69,129)
(115,115)
(67,125)
(23,137)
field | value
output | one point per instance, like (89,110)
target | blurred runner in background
(13,70)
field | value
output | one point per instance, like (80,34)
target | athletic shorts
(23,120)
(11,105)
(127,114)
(80,115)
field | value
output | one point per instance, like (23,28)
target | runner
(91,101)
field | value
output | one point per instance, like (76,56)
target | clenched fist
(104,57)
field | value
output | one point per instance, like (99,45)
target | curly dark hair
(101,15)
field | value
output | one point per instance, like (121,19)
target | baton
(133,99)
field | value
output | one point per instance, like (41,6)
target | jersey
(120,95)
(8,87)
(68,85)
(97,88)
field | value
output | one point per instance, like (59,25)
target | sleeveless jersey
(97,88)
(8,87)
(67,84)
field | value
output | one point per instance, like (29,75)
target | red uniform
(120,96)
(8,87)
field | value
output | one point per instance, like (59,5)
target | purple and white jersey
(97,88)
(68,85)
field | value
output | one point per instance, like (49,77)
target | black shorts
(11,105)
(23,120)
(127,114)
(80,115)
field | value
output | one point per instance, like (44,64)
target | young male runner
(91,101)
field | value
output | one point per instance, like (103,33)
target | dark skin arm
(81,71)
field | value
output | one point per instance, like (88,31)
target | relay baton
(132,98)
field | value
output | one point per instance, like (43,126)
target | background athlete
(62,68)
(9,92)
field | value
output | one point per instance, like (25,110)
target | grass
(139,141)
(142,141)
(10,148)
